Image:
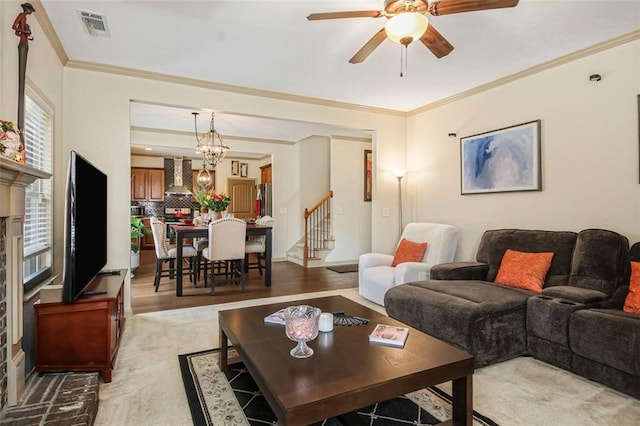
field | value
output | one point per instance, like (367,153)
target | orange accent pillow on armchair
(632,302)
(408,251)
(524,270)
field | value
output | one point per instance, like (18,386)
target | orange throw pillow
(632,302)
(524,270)
(408,251)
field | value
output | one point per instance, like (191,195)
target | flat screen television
(85,228)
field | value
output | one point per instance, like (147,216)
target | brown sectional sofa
(577,323)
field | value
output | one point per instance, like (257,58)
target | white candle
(325,323)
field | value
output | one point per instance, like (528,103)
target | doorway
(243,197)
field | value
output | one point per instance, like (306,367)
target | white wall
(351,214)
(97,126)
(44,77)
(314,174)
(589,140)
(589,152)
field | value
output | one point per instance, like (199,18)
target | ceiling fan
(408,22)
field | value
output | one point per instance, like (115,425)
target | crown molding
(225,137)
(618,41)
(53,38)
(148,75)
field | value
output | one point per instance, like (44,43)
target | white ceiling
(270,45)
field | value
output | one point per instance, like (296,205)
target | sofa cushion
(483,318)
(408,251)
(600,261)
(632,301)
(607,336)
(524,270)
(494,244)
(575,294)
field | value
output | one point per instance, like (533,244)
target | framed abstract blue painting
(503,160)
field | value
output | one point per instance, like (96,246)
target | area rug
(233,398)
(343,268)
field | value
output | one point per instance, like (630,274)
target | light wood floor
(286,279)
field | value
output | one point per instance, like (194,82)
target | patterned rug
(234,399)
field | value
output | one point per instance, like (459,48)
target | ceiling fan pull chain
(406,56)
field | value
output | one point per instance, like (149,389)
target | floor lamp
(399,173)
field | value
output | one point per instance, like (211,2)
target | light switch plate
(385,212)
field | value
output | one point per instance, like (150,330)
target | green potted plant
(138,230)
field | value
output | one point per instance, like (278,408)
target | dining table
(183,231)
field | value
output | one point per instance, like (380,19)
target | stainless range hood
(177,188)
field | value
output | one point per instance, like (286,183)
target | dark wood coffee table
(346,372)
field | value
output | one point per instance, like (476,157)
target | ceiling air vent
(95,23)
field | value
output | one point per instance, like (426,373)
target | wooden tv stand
(84,335)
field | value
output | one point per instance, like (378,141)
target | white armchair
(376,275)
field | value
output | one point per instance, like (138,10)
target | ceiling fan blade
(448,7)
(435,42)
(369,47)
(340,15)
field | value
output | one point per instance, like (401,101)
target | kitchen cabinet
(147,184)
(84,335)
(265,174)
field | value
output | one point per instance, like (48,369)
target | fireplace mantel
(14,179)
(12,173)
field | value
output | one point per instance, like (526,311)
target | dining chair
(257,246)
(166,254)
(226,244)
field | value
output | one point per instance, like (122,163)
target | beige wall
(44,78)
(351,214)
(97,126)
(589,134)
(589,152)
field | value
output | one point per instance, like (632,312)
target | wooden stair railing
(318,228)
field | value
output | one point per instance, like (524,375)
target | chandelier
(212,148)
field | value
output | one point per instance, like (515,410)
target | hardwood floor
(286,279)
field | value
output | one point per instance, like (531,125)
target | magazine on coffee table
(389,335)
(276,318)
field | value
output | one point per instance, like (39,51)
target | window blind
(38,222)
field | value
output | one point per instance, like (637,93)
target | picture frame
(244,169)
(368,174)
(235,168)
(502,160)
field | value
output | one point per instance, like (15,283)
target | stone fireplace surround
(14,179)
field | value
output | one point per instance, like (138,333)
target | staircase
(317,242)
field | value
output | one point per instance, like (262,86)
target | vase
(301,326)
(217,215)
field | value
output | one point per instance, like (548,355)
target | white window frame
(38,229)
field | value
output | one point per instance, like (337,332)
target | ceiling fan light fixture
(407,27)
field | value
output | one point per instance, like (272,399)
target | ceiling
(270,45)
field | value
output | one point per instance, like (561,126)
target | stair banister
(316,229)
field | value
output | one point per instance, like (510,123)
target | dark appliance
(85,226)
(137,211)
(265,192)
